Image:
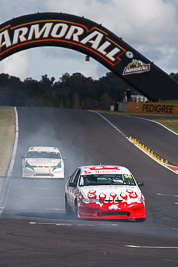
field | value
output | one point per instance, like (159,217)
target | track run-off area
(34,228)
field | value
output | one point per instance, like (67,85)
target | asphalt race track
(34,229)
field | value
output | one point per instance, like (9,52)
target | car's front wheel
(140,219)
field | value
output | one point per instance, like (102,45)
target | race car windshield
(43,154)
(106,179)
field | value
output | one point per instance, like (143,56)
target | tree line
(71,91)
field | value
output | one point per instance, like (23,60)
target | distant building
(138,98)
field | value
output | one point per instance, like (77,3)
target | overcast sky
(150,26)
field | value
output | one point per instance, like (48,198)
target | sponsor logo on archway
(60,33)
(153,108)
(136,66)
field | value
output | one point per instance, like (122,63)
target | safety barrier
(153,155)
(148,151)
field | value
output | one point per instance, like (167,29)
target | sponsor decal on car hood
(43,161)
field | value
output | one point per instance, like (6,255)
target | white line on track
(40,197)
(96,225)
(161,228)
(11,165)
(57,224)
(165,127)
(63,224)
(51,209)
(167,195)
(140,118)
(150,247)
(39,188)
(118,130)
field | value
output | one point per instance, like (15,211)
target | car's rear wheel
(76,210)
(67,208)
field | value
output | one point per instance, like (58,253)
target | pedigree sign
(153,108)
(60,31)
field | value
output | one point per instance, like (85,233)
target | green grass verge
(175,102)
(7,133)
(172,124)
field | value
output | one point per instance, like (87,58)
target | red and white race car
(104,192)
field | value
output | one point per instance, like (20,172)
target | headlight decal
(57,166)
(140,200)
(92,194)
(28,165)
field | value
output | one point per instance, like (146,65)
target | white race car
(43,162)
(104,192)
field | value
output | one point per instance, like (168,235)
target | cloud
(137,21)
(10,9)
(57,61)
(16,65)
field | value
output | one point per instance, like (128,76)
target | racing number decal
(127,176)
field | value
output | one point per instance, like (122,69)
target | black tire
(67,208)
(140,219)
(76,210)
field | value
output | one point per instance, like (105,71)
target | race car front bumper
(112,210)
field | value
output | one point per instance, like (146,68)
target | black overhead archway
(92,39)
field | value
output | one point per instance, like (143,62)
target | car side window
(72,178)
(77,176)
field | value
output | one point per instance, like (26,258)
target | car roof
(43,149)
(104,169)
